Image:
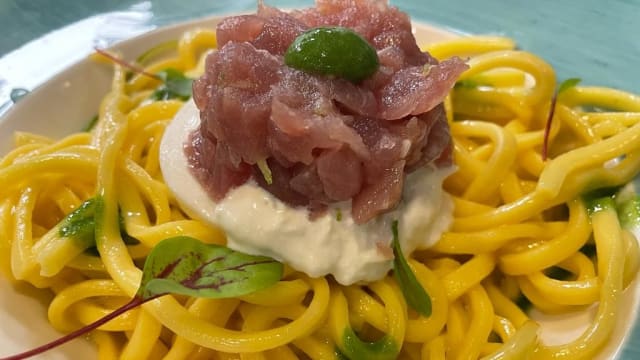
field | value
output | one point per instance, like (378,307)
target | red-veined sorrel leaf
(184,265)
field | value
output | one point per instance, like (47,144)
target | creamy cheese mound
(258,223)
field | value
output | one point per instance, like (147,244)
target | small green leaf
(356,349)
(266,172)
(186,266)
(600,199)
(175,85)
(17,94)
(629,213)
(92,123)
(568,84)
(333,51)
(467,84)
(80,224)
(413,292)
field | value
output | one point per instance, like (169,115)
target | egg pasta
(518,217)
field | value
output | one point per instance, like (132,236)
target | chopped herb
(467,84)
(413,292)
(568,84)
(175,85)
(186,266)
(92,123)
(266,172)
(600,199)
(80,224)
(17,94)
(354,348)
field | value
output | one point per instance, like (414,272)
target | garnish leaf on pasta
(415,295)
(175,85)
(468,84)
(568,84)
(186,266)
(91,124)
(629,213)
(80,224)
(354,348)
(600,199)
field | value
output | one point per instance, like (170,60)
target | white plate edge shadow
(17,332)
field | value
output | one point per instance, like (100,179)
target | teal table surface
(596,40)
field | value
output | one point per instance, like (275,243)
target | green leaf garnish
(92,123)
(186,266)
(265,170)
(175,85)
(415,295)
(80,224)
(600,199)
(467,84)
(568,84)
(333,51)
(384,348)
(629,213)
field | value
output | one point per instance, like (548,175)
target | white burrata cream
(258,223)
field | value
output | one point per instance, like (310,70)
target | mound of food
(324,139)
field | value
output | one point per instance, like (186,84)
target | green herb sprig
(415,295)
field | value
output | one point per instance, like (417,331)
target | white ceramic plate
(66,103)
